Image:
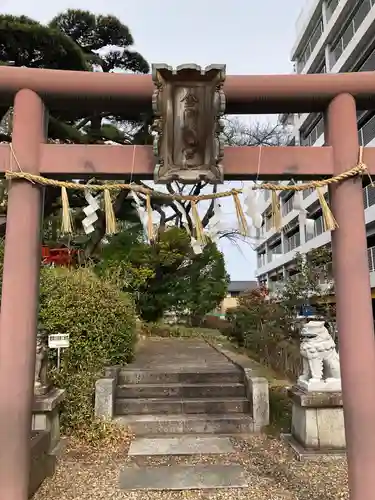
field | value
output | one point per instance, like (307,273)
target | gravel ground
(273,474)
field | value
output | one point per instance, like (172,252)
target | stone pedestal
(317,423)
(46,414)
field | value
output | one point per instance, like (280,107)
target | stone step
(180,446)
(196,391)
(183,477)
(152,425)
(156,406)
(212,376)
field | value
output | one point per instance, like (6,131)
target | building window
(368,63)
(313,134)
(371,259)
(310,45)
(292,242)
(330,8)
(269,222)
(366,132)
(287,204)
(319,67)
(369,196)
(274,252)
(307,192)
(357,17)
(261,259)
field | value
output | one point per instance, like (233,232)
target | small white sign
(60,340)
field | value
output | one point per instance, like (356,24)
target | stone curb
(257,389)
(105,391)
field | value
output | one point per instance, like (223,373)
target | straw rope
(330,222)
(359,169)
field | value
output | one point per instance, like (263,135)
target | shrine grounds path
(271,471)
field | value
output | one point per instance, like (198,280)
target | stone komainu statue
(41,382)
(321,364)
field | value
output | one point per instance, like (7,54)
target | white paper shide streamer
(184,217)
(216,225)
(90,212)
(251,201)
(195,245)
(298,201)
(302,216)
(142,213)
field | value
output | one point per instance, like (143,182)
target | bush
(217,323)
(280,408)
(101,322)
(262,327)
(166,276)
(177,331)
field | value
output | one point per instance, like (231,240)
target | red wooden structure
(65,257)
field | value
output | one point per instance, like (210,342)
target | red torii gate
(336,95)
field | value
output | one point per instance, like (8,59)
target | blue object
(307,310)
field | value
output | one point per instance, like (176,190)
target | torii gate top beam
(253,94)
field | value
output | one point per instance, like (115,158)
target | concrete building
(235,288)
(333,36)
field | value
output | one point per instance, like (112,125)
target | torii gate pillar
(19,300)
(353,299)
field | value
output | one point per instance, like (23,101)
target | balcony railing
(318,229)
(331,7)
(275,286)
(307,192)
(371,259)
(261,260)
(274,252)
(314,134)
(288,206)
(269,223)
(363,7)
(261,232)
(292,242)
(369,196)
(367,132)
(310,46)
(319,226)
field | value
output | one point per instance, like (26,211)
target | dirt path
(272,473)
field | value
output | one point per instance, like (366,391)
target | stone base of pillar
(42,462)
(317,424)
(45,417)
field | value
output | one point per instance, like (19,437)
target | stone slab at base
(302,453)
(181,446)
(183,477)
(328,385)
(318,420)
(45,417)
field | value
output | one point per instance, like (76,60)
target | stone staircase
(209,401)
(185,401)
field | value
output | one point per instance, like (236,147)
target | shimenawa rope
(329,220)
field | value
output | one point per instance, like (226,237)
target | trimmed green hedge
(101,323)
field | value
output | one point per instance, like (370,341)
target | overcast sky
(250,37)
